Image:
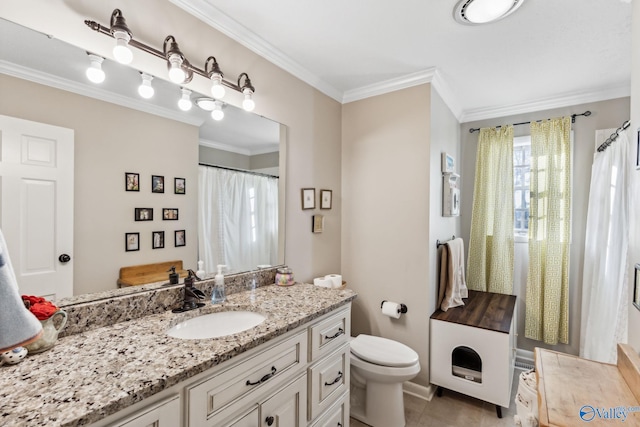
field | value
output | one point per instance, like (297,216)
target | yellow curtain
(547,300)
(490,260)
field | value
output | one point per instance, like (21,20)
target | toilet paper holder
(402,309)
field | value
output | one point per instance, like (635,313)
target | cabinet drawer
(241,381)
(328,380)
(165,413)
(330,334)
(336,416)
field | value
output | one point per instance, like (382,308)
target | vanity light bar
(160,54)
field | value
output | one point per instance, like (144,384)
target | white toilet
(379,366)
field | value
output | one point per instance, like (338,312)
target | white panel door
(36,204)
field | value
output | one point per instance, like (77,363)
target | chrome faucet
(191,294)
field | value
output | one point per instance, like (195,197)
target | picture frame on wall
(179,185)
(157,184)
(318,224)
(132,242)
(169,214)
(180,238)
(157,240)
(131,181)
(143,214)
(308,198)
(448,163)
(325,199)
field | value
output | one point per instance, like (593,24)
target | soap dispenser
(174,277)
(218,295)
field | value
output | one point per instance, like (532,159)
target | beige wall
(385,215)
(109,141)
(313,120)
(605,114)
(634,215)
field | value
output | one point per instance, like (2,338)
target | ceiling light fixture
(95,74)
(181,71)
(177,64)
(217,113)
(185,100)
(247,89)
(214,73)
(119,30)
(207,104)
(145,89)
(476,12)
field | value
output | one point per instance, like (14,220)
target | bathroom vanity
(290,370)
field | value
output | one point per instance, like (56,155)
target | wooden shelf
(137,275)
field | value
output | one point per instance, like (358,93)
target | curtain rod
(573,120)
(239,170)
(613,136)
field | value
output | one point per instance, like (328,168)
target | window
(521,182)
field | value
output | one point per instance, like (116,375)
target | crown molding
(92,91)
(567,100)
(215,18)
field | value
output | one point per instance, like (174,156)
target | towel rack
(439,243)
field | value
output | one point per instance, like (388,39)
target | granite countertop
(93,374)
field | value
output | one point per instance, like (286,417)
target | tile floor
(455,410)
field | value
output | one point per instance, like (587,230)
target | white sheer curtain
(604,288)
(237,219)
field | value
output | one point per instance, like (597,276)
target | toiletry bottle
(218,295)
(174,277)
(200,271)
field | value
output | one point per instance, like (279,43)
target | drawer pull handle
(269,420)
(337,334)
(338,378)
(263,379)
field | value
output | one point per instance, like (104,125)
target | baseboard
(524,359)
(419,391)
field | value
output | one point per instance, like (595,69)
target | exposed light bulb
(145,89)
(95,73)
(217,90)
(248,103)
(217,113)
(185,103)
(121,51)
(176,73)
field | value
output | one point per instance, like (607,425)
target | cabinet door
(248,420)
(287,408)
(163,414)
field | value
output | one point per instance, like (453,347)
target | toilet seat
(382,351)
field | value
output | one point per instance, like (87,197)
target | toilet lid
(382,351)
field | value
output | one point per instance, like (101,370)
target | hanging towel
(453,286)
(17,325)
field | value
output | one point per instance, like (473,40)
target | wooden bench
(136,275)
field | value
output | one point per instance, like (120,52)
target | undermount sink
(216,325)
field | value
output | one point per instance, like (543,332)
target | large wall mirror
(117,132)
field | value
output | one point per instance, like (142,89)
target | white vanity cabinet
(299,379)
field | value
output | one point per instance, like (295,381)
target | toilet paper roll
(391,309)
(322,282)
(336,279)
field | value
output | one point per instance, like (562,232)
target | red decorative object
(39,306)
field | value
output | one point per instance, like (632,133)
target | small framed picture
(638,150)
(157,240)
(132,241)
(179,185)
(448,163)
(318,224)
(180,238)
(131,181)
(170,214)
(308,198)
(325,199)
(143,214)
(157,184)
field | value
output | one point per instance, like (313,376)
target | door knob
(269,420)
(64,258)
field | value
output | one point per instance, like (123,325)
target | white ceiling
(549,53)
